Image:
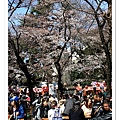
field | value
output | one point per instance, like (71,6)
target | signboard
(51,89)
(98,84)
(37,90)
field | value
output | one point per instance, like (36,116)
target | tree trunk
(109,71)
(107,48)
(108,61)
(23,67)
(60,85)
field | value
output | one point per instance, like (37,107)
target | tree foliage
(56,37)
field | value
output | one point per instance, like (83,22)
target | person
(94,88)
(107,112)
(22,98)
(28,99)
(88,109)
(55,97)
(36,105)
(18,110)
(36,112)
(79,89)
(109,99)
(100,94)
(61,105)
(97,107)
(51,98)
(76,113)
(24,107)
(44,108)
(9,112)
(104,94)
(54,108)
(68,105)
(37,98)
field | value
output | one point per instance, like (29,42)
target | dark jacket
(44,111)
(68,105)
(107,115)
(76,113)
(96,106)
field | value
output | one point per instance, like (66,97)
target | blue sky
(20,12)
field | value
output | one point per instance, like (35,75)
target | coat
(95,107)
(68,105)
(21,112)
(76,114)
(107,115)
(44,111)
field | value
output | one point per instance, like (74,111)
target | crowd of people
(71,106)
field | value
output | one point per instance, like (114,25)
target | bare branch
(27,11)
(90,26)
(79,9)
(99,6)
(10,4)
(19,3)
(17,36)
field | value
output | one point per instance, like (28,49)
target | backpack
(57,115)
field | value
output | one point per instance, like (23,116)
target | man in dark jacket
(44,108)
(68,105)
(97,109)
(107,112)
(76,113)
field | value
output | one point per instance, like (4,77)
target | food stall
(97,86)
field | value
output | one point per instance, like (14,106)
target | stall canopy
(90,88)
